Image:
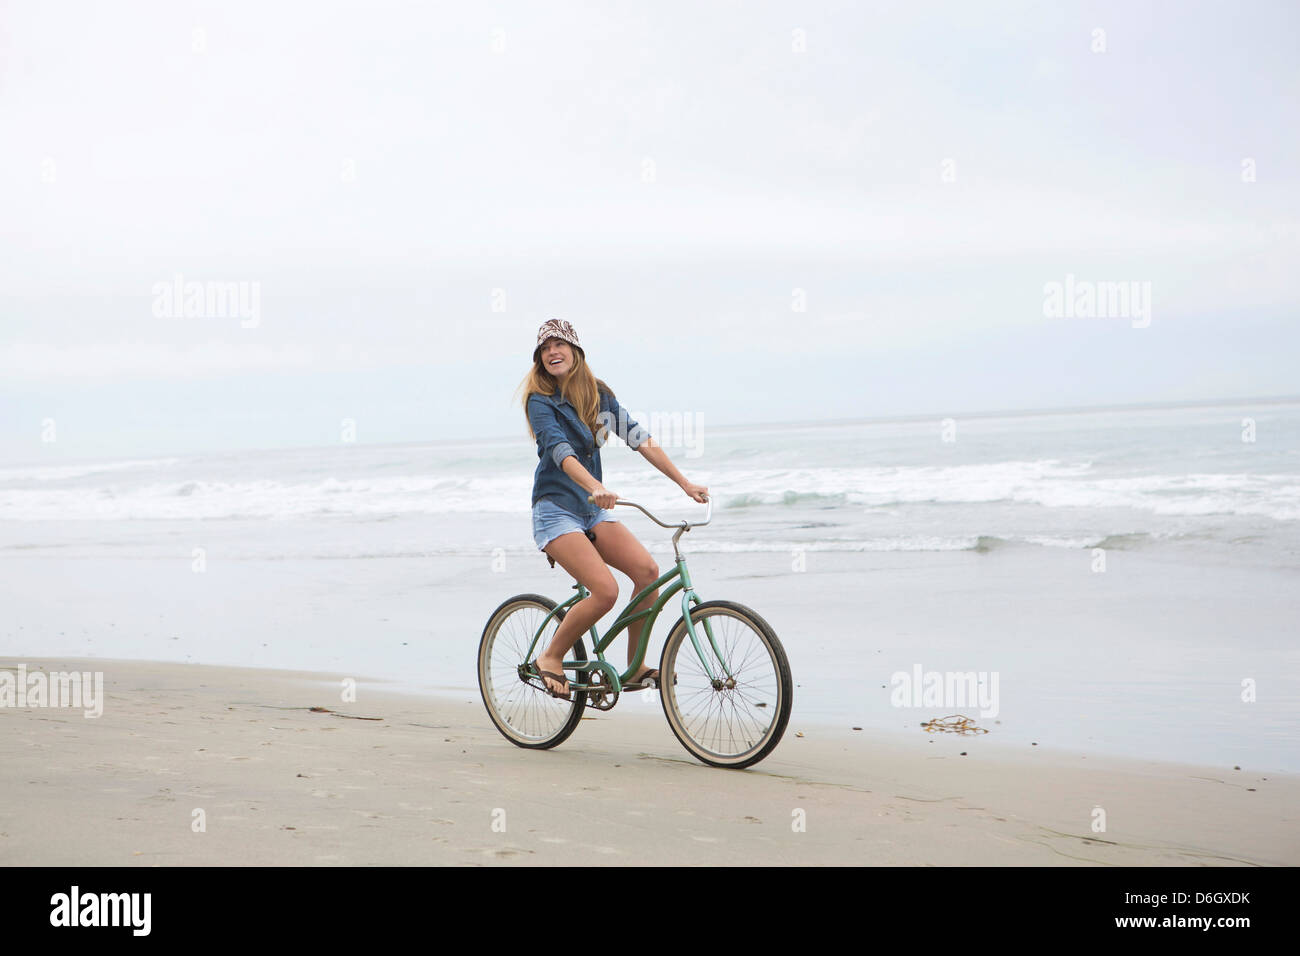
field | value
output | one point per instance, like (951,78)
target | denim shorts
(551,520)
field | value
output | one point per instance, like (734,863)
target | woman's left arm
(652,453)
(642,441)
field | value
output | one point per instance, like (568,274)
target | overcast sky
(752,212)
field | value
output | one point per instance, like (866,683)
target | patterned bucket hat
(556,329)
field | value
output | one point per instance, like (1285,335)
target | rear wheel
(524,712)
(735,717)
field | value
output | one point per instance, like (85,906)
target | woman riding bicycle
(570,414)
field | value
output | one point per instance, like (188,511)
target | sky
(751,212)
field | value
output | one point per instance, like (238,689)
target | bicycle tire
(526,715)
(722,726)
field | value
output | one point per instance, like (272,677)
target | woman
(569,413)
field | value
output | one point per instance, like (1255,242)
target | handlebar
(683,525)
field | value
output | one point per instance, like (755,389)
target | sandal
(649,679)
(563,695)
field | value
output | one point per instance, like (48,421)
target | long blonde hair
(581,389)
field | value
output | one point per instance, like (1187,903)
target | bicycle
(726,692)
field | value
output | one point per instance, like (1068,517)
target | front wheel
(733,712)
(525,714)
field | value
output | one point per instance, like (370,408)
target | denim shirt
(561,433)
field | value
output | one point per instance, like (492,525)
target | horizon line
(878,420)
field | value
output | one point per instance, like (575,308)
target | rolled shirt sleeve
(547,428)
(633,434)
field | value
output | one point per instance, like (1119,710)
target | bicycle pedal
(651,683)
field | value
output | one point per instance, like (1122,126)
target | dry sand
(434,783)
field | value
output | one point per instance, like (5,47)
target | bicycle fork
(689,597)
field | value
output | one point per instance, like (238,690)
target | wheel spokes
(528,711)
(727,721)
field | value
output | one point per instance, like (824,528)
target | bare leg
(620,549)
(577,555)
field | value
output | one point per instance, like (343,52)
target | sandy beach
(193,765)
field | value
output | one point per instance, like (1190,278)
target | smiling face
(557,357)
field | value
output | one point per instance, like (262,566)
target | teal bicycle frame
(681,579)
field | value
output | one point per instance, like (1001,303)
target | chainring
(600,693)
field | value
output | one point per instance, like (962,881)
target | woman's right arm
(588,483)
(546,426)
